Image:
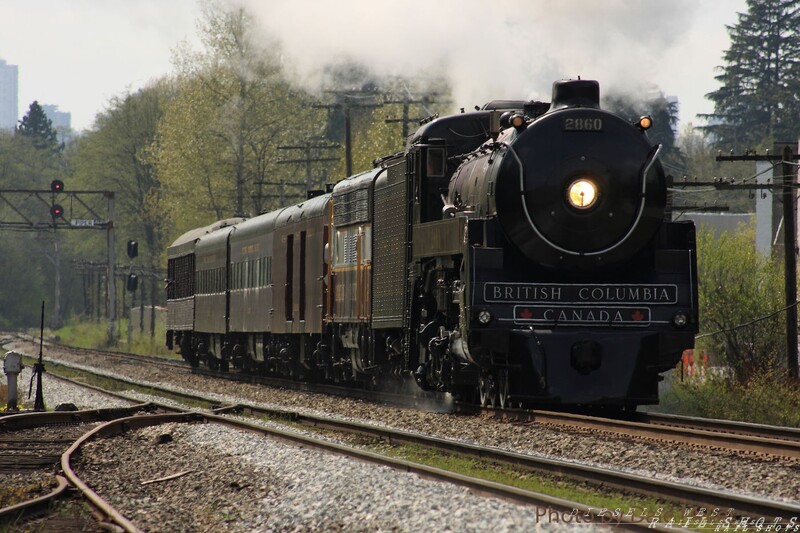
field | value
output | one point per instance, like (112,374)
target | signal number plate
(583,124)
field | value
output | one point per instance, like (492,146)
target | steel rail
(27,508)
(742,436)
(679,434)
(23,421)
(655,419)
(481,486)
(673,491)
(723,426)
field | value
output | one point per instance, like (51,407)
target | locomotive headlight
(484,317)
(582,194)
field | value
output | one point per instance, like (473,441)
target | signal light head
(56,211)
(57,186)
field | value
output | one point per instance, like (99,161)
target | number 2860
(583,124)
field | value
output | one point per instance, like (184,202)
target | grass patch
(765,399)
(560,487)
(17,494)
(84,334)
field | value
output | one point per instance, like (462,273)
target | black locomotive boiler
(522,254)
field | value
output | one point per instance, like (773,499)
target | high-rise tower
(9,95)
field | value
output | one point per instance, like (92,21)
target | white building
(9,95)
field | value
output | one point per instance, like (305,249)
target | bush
(769,398)
(95,335)
(738,288)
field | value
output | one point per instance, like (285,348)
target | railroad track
(741,436)
(751,438)
(676,421)
(648,426)
(119,423)
(31,448)
(681,493)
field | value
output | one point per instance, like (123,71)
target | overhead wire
(750,323)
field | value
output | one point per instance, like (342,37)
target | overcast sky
(78,54)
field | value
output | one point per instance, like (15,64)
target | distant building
(9,95)
(61,120)
(719,222)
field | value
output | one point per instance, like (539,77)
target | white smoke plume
(487,50)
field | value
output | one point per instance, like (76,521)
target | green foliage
(24,166)
(768,398)
(699,164)
(736,287)
(217,152)
(663,112)
(116,155)
(25,280)
(27,260)
(86,334)
(757,102)
(39,129)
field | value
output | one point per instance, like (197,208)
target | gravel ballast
(240,482)
(770,477)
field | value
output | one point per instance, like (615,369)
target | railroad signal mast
(40,210)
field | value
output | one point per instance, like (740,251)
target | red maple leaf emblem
(637,316)
(525,314)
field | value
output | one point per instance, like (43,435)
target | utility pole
(111,288)
(350,100)
(310,155)
(790,251)
(281,195)
(407,100)
(788,187)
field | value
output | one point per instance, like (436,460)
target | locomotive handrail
(651,159)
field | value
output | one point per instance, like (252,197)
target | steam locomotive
(521,254)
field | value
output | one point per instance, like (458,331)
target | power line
(750,323)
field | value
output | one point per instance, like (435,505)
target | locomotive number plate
(583,124)
(543,315)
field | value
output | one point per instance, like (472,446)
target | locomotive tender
(517,255)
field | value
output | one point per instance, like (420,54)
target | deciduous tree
(218,141)
(116,155)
